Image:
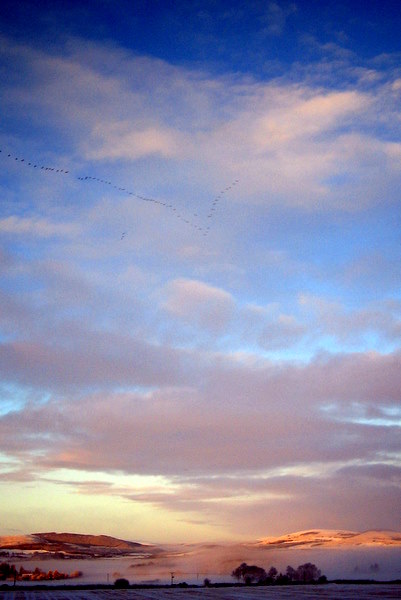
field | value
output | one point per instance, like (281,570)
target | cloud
(275,17)
(378,320)
(100,361)
(240,498)
(244,418)
(256,369)
(120,141)
(36,227)
(277,137)
(198,303)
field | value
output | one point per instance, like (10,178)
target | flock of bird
(192,222)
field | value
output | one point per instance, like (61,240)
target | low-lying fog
(193,563)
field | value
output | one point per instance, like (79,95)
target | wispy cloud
(37,227)
(275,16)
(277,136)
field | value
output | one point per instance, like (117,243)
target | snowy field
(331,591)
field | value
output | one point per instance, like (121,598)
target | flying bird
(192,223)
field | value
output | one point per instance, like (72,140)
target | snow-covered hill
(333,538)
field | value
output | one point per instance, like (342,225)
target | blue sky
(200,325)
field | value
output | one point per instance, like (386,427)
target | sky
(200,267)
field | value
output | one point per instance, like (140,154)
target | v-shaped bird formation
(192,221)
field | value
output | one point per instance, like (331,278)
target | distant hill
(72,544)
(78,539)
(333,538)
(96,546)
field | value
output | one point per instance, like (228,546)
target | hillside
(333,539)
(72,544)
(96,546)
(78,539)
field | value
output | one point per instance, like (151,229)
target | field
(330,591)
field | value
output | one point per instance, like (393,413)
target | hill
(96,546)
(75,544)
(333,539)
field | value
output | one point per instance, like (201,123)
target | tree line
(8,571)
(251,574)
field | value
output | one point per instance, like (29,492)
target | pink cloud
(198,303)
(242,419)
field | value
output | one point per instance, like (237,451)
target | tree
(4,570)
(8,572)
(308,573)
(121,583)
(238,572)
(272,574)
(282,579)
(291,573)
(249,573)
